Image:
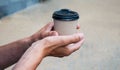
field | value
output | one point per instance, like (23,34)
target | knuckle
(62,41)
(77,38)
(47,40)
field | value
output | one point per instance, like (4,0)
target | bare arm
(57,46)
(10,53)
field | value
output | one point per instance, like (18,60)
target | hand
(57,46)
(43,32)
(68,49)
(60,46)
(46,31)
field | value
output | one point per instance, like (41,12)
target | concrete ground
(99,20)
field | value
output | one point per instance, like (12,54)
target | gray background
(10,6)
(99,20)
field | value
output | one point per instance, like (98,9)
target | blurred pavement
(99,20)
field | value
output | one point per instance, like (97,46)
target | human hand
(43,32)
(68,49)
(57,46)
(60,46)
(46,31)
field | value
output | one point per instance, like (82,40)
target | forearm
(10,53)
(57,45)
(31,59)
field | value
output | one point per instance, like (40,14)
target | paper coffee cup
(65,21)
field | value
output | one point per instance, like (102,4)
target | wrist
(35,37)
(34,54)
(28,40)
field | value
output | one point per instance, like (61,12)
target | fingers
(53,42)
(65,40)
(73,38)
(76,46)
(73,47)
(53,33)
(78,26)
(67,50)
(49,26)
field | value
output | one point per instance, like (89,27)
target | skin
(40,46)
(58,46)
(11,53)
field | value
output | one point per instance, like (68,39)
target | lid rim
(66,19)
(66,15)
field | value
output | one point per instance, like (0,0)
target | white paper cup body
(65,27)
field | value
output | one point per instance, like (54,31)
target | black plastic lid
(65,15)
